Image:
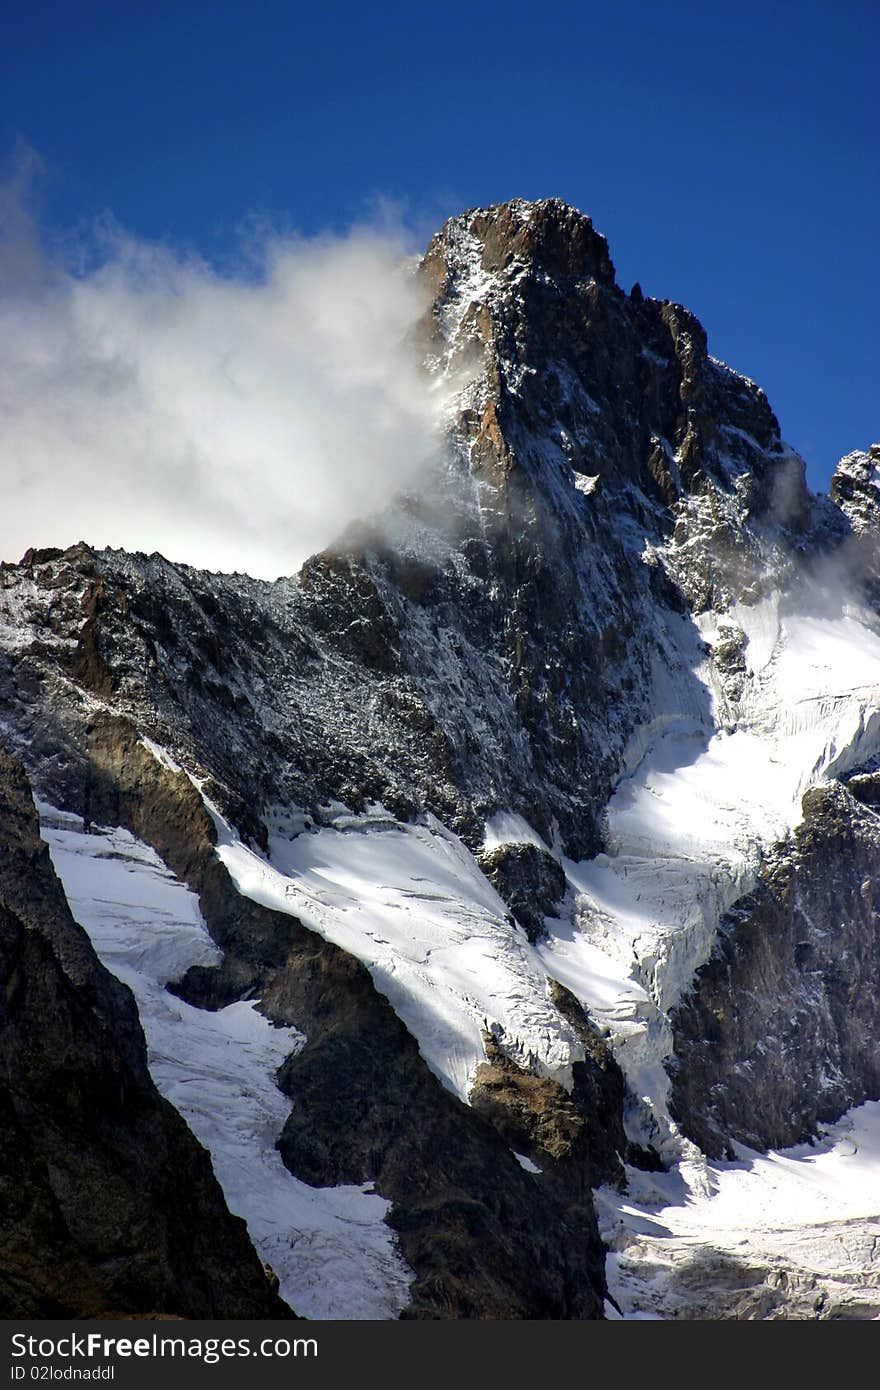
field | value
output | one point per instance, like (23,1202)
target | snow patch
(508,828)
(525,1162)
(586,483)
(160,754)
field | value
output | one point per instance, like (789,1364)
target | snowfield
(726,1239)
(685,830)
(333,1253)
(412,904)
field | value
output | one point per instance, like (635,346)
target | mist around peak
(232,419)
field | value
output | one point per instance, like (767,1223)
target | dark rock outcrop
(854,488)
(107,1202)
(780,1031)
(529,880)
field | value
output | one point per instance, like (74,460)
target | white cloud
(230,420)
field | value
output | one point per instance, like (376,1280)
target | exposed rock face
(780,1031)
(108,1203)
(576,1137)
(855,488)
(529,880)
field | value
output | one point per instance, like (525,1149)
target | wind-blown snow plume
(229,420)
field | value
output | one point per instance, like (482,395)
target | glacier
(332,1252)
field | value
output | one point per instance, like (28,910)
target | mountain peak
(549,234)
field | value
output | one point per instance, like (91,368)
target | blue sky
(729,153)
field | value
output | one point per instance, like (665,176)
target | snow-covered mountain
(521,847)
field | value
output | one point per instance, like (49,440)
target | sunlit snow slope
(332,1252)
(613,617)
(686,827)
(412,904)
(685,832)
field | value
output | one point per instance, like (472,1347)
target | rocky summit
(482,922)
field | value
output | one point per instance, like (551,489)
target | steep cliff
(780,1032)
(109,1204)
